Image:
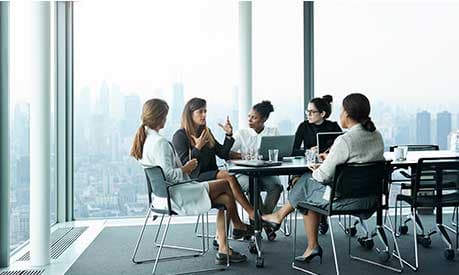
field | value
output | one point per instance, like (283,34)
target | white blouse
(246,139)
(186,199)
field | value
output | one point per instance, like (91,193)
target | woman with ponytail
(151,149)
(362,143)
(318,111)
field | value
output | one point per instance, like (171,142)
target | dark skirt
(208,175)
(307,191)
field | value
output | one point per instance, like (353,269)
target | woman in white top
(362,143)
(151,149)
(247,141)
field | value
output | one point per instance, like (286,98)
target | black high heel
(315,252)
(272,225)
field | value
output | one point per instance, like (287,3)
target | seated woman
(195,140)
(319,109)
(250,139)
(193,198)
(362,143)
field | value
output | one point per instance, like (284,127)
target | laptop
(325,140)
(283,143)
(256,163)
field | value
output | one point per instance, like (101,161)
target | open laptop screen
(325,140)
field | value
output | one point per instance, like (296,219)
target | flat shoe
(236,257)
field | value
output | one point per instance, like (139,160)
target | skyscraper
(178,102)
(103,102)
(132,112)
(443,129)
(423,127)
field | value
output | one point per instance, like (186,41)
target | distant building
(443,129)
(423,127)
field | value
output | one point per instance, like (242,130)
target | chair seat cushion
(363,207)
(451,199)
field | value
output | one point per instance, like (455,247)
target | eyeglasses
(310,112)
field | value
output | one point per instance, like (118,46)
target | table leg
(255,196)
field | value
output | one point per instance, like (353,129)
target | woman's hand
(190,166)
(323,156)
(228,128)
(314,166)
(201,141)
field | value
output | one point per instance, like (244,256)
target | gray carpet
(111,251)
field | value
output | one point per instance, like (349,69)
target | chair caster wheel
(449,254)
(352,231)
(425,241)
(323,228)
(403,229)
(260,262)
(384,256)
(253,248)
(366,243)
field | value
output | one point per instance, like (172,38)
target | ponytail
(139,140)
(368,124)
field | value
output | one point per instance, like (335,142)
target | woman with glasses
(319,109)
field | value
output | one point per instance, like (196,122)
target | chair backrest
(357,180)
(417,147)
(156,182)
(443,172)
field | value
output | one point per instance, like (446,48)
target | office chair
(404,183)
(440,171)
(358,189)
(159,187)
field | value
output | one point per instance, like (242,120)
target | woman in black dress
(195,140)
(319,109)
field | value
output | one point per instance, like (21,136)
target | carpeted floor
(111,251)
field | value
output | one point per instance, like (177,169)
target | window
(278,61)
(173,50)
(402,55)
(20,98)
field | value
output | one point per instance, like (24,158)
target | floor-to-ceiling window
(277,35)
(20,100)
(125,54)
(402,55)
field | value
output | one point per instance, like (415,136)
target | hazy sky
(403,52)
(396,51)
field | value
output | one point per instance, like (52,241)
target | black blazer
(205,156)
(306,135)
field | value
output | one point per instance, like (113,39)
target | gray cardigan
(356,145)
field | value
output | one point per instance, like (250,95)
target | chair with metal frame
(441,171)
(358,189)
(159,187)
(404,183)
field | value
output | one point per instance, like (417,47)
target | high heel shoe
(272,225)
(315,252)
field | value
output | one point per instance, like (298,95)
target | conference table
(298,166)
(295,166)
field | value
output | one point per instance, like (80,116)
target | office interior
(74,76)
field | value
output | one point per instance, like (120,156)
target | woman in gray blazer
(193,198)
(362,143)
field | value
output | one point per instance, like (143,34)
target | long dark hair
(323,104)
(187,120)
(357,106)
(264,108)
(154,113)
